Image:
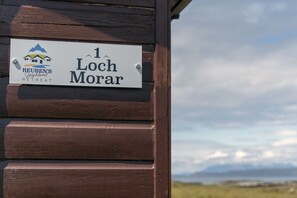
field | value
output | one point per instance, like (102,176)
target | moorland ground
(234,190)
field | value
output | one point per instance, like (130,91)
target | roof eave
(177,7)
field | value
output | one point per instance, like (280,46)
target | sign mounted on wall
(41,62)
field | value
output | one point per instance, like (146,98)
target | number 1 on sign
(97,52)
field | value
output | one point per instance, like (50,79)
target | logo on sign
(36,63)
(37,57)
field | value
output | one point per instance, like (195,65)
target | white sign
(75,64)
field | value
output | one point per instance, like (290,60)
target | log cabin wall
(59,141)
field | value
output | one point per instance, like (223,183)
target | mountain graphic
(38,48)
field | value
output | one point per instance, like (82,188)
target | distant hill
(244,167)
(275,172)
(234,172)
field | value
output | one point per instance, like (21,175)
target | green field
(233,190)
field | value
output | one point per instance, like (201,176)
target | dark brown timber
(77,180)
(135,3)
(4,56)
(69,20)
(76,102)
(57,139)
(162,111)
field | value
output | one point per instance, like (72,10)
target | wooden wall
(79,141)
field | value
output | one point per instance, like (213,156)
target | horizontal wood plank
(147,60)
(140,3)
(72,21)
(77,180)
(77,15)
(58,139)
(64,32)
(136,3)
(76,102)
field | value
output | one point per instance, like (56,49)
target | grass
(183,190)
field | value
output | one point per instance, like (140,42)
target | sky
(234,84)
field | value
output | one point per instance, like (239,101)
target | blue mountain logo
(38,48)
(37,57)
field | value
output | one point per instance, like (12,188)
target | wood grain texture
(139,3)
(61,123)
(3,93)
(147,66)
(58,139)
(4,56)
(147,60)
(3,124)
(77,180)
(73,21)
(162,101)
(74,14)
(2,166)
(76,102)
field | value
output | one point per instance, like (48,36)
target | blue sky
(234,84)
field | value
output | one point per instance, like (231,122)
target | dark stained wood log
(3,93)
(76,14)
(147,60)
(77,180)
(64,32)
(4,56)
(141,3)
(147,65)
(162,100)
(73,21)
(76,102)
(3,124)
(58,139)
(4,81)
(2,166)
(118,139)
(136,3)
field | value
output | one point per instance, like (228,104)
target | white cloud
(227,73)
(242,92)
(217,154)
(253,12)
(268,154)
(240,154)
(192,156)
(291,108)
(286,133)
(243,86)
(197,161)
(279,6)
(285,142)
(256,10)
